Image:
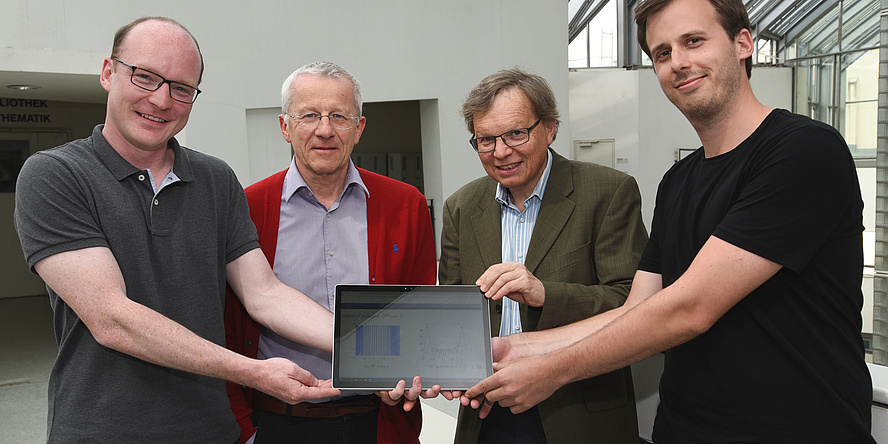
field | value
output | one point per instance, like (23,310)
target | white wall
(424,50)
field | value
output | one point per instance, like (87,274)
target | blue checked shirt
(517,230)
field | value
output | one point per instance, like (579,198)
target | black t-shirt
(786,363)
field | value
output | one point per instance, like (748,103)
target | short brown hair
(731,14)
(124,31)
(534,87)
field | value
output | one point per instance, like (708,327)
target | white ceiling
(56,87)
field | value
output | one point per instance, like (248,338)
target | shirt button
(521,219)
(520,255)
(141,177)
(156,203)
(331,252)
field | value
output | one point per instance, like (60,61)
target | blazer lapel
(554,213)
(487,226)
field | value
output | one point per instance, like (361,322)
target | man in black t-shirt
(751,279)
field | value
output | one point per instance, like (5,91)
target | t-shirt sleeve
(795,197)
(650,256)
(241,232)
(54,210)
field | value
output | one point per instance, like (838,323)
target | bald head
(156,26)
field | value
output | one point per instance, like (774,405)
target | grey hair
(318,69)
(535,88)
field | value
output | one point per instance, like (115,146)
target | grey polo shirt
(172,249)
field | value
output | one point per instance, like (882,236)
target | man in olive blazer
(583,252)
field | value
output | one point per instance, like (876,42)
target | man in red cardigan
(322,222)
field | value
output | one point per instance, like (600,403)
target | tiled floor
(27,351)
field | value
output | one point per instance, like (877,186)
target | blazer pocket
(561,267)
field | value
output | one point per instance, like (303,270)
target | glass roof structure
(789,28)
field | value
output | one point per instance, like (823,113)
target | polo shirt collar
(121,169)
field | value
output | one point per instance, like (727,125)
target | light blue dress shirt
(318,248)
(517,231)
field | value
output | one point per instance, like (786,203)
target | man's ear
(745,44)
(107,70)
(282,119)
(551,128)
(362,121)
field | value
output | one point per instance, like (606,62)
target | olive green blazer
(585,248)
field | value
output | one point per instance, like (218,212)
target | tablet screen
(386,333)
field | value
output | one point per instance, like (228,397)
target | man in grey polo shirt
(135,237)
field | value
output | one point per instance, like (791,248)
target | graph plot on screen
(444,340)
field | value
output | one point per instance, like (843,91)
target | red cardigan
(401,248)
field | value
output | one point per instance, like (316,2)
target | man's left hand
(514,281)
(411,396)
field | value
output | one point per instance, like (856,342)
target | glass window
(860,97)
(765,52)
(822,37)
(596,45)
(603,37)
(860,24)
(578,51)
(814,80)
(12,155)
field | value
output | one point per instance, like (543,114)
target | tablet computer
(386,333)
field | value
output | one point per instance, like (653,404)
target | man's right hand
(514,281)
(518,385)
(290,383)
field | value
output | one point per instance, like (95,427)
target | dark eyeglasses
(511,138)
(150,81)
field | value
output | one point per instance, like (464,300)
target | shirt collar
(122,169)
(502,193)
(293,180)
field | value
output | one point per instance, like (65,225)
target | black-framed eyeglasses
(150,81)
(511,138)
(311,121)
